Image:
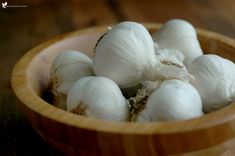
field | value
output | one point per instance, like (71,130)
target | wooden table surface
(23,28)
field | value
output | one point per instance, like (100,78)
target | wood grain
(24,28)
(215,15)
(156,11)
(84,14)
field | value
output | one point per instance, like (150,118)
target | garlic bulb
(97,97)
(181,35)
(66,69)
(214,80)
(124,54)
(172,100)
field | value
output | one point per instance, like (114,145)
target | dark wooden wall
(23,28)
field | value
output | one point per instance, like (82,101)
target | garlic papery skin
(171,65)
(66,69)
(170,54)
(150,86)
(214,80)
(156,47)
(172,100)
(98,97)
(124,53)
(181,35)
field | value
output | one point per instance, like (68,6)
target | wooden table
(23,28)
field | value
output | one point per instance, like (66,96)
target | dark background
(23,28)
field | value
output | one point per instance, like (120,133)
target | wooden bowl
(212,134)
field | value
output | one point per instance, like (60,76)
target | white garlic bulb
(66,69)
(214,80)
(181,35)
(124,54)
(172,100)
(97,97)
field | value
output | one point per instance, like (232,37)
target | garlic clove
(214,80)
(124,53)
(172,100)
(97,97)
(66,69)
(179,34)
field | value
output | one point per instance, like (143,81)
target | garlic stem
(81,109)
(137,103)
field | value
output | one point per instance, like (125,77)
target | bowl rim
(26,95)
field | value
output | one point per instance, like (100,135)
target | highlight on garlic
(124,53)
(97,97)
(181,35)
(66,69)
(172,100)
(214,80)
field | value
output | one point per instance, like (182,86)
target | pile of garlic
(163,77)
